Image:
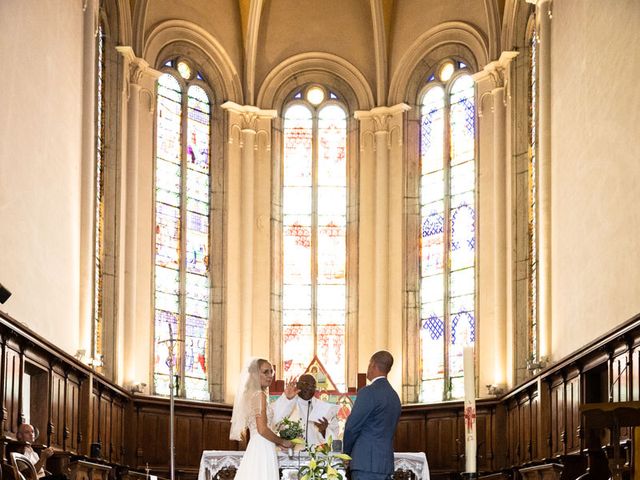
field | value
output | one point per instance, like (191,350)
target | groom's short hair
(383,361)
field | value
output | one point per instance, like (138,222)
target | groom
(368,434)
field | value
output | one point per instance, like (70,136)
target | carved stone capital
(496,71)
(248,115)
(385,125)
(382,117)
(138,67)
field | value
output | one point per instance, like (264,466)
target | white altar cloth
(213,461)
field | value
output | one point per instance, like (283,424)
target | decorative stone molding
(497,70)
(445,33)
(138,71)
(167,32)
(498,73)
(247,117)
(382,120)
(138,67)
(317,67)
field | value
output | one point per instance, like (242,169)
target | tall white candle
(469,410)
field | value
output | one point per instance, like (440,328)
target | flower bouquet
(323,463)
(291,430)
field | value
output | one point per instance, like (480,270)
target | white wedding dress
(260,460)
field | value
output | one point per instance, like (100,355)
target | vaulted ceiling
(372,35)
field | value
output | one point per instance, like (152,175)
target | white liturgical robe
(296,409)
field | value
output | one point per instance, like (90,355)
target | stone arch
(319,67)
(174,35)
(457,39)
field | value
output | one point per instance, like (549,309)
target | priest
(318,418)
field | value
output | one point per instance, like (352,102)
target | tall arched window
(532,277)
(101,354)
(97,347)
(314,222)
(182,236)
(448,233)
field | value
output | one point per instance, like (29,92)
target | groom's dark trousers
(368,434)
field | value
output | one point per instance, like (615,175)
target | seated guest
(322,416)
(26,434)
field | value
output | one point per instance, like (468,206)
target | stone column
(87,206)
(248,255)
(490,86)
(381,249)
(543,27)
(138,114)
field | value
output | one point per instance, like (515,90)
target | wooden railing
(80,412)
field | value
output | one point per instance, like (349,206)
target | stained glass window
(448,233)
(182,232)
(98,247)
(314,211)
(533,194)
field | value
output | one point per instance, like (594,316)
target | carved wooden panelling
(522,421)
(557,411)
(188,440)
(117,431)
(533,434)
(619,388)
(72,415)
(444,446)
(635,373)
(83,470)
(57,410)
(79,407)
(216,434)
(105,425)
(513,434)
(153,439)
(572,390)
(95,418)
(11,395)
(524,437)
(108,422)
(484,433)
(410,434)
(198,427)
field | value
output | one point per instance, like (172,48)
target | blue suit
(368,434)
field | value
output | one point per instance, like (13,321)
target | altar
(213,461)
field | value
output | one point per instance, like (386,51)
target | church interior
(310,182)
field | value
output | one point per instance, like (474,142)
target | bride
(251,410)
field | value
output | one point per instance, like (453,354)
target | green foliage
(323,463)
(290,430)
